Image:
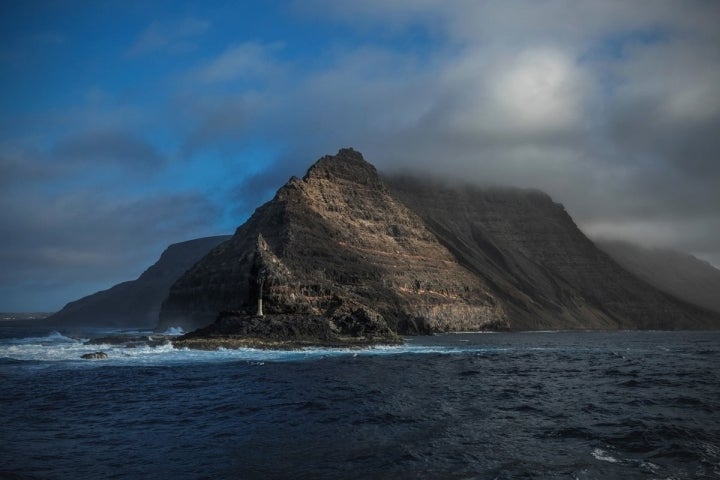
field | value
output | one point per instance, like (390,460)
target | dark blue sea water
(522,405)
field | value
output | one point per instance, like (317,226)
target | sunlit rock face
(419,257)
(337,241)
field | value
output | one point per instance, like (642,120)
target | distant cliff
(676,273)
(418,256)
(136,303)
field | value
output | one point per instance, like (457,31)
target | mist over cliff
(679,274)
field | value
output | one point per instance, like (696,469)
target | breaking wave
(56,347)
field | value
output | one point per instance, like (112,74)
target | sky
(128,126)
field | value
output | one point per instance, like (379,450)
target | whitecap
(604,456)
(174,331)
(51,338)
(64,349)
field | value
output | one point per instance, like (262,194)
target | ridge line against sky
(127,126)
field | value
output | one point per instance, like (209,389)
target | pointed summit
(347,165)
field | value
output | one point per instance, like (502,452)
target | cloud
(175,37)
(695,234)
(611,107)
(239,62)
(534,94)
(540,90)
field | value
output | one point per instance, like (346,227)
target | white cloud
(239,62)
(533,92)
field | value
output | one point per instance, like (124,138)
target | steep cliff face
(336,241)
(547,272)
(136,303)
(679,274)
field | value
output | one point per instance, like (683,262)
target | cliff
(344,244)
(136,303)
(679,274)
(548,274)
(334,243)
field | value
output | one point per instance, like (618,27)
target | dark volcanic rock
(335,242)
(235,329)
(136,303)
(94,356)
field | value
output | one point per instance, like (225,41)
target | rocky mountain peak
(347,165)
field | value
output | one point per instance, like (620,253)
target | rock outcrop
(94,356)
(136,303)
(234,329)
(418,257)
(679,274)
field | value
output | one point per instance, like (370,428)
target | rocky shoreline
(234,342)
(287,332)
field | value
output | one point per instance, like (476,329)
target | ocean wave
(53,337)
(56,347)
(604,456)
(174,331)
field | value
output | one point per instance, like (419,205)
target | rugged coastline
(288,332)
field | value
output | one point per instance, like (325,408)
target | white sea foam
(604,456)
(174,331)
(59,348)
(53,337)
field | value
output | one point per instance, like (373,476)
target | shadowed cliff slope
(676,273)
(547,272)
(419,256)
(136,303)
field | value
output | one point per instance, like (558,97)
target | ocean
(570,405)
